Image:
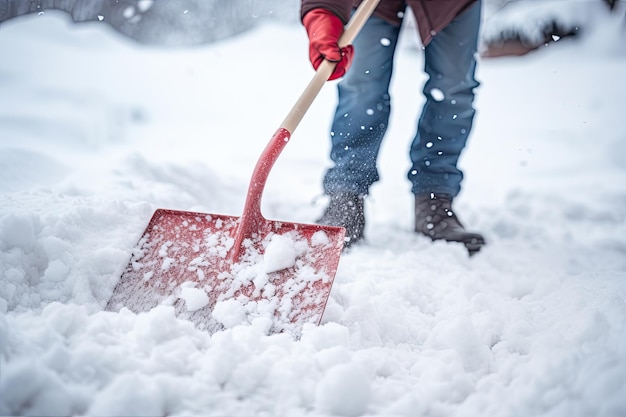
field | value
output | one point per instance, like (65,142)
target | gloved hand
(324,29)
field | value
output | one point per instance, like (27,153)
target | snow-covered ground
(96,133)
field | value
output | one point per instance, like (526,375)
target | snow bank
(534,325)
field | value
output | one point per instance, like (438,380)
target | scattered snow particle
(385,42)
(144,5)
(369,112)
(129,12)
(429,145)
(437,94)
(200,274)
(163,249)
(167,264)
(100,17)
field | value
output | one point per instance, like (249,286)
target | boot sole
(474,248)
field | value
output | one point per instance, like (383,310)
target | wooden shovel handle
(252,221)
(360,16)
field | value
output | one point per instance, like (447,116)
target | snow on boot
(346,210)
(434,218)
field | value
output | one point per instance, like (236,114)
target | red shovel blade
(284,271)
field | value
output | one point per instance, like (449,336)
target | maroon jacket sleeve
(341,8)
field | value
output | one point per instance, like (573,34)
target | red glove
(324,29)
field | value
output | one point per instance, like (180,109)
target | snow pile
(534,325)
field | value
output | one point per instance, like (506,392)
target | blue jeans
(364,106)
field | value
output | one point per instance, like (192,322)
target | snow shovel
(218,271)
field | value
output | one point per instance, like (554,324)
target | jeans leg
(362,113)
(447,116)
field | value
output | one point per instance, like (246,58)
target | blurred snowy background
(510,26)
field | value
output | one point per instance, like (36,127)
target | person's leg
(448,113)
(362,112)
(358,128)
(443,129)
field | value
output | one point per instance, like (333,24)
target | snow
(195,298)
(279,254)
(96,133)
(330,395)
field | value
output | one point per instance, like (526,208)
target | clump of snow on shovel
(279,254)
(230,313)
(320,238)
(195,298)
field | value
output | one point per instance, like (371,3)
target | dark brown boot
(346,210)
(434,218)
